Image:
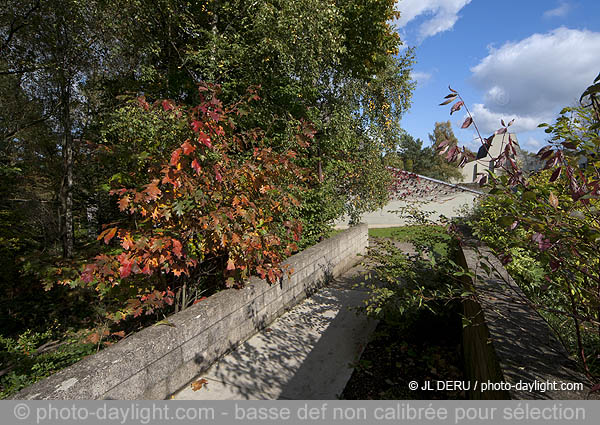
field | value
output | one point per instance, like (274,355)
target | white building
(484,160)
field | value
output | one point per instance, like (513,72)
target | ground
(426,349)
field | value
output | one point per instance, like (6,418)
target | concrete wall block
(132,388)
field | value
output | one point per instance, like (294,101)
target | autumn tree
(336,64)
(440,168)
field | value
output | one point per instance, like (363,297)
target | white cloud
(420,77)
(532,144)
(441,14)
(531,79)
(489,121)
(558,11)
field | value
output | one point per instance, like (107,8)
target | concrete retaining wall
(159,360)
(508,341)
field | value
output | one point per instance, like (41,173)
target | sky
(523,59)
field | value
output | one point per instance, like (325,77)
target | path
(303,355)
(448,205)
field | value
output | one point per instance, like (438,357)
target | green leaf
(529,196)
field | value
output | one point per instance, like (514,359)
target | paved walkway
(449,206)
(303,355)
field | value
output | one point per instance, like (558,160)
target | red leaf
(555,174)
(447,101)
(218,175)
(443,143)
(197,125)
(456,107)
(453,91)
(547,154)
(500,131)
(467,122)
(125,269)
(204,139)
(196,166)
(142,102)
(167,105)
(544,150)
(175,157)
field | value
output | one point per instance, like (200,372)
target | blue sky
(509,59)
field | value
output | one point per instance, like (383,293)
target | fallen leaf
(197,385)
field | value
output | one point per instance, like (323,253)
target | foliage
(336,64)
(33,356)
(219,205)
(551,219)
(412,156)
(402,281)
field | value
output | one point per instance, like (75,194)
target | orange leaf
(127,243)
(175,156)
(152,190)
(177,248)
(187,148)
(93,338)
(123,203)
(108,234)
(199,384)
(230,264)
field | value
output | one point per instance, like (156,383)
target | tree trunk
(66,195)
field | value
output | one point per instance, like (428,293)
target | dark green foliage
(33,356)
